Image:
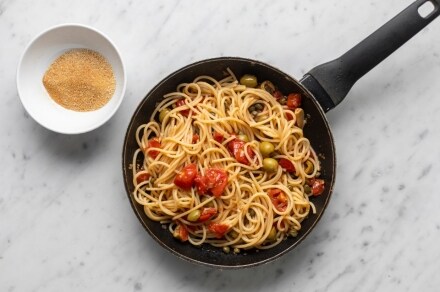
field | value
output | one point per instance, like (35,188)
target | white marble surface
(65,221)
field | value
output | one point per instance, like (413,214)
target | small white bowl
(40,54)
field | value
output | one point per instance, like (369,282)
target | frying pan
(323,88)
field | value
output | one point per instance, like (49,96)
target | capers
(233,234)
(299,114)
(268,86)
(226,249)
(243,138)
(252,212)
(249,80)
(266,148)
(194,215)
(309,167)
(236,250)
(307,189)
(272,234)
(163,113)
(254,113)
(270,164)
(259,107)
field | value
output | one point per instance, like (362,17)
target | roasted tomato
(195,138)
(287,165)
(218,137)
(219,229)
(278,95)
(294,100)
(318,186)
(202,184)
(289,116)
(182,102)
(218,179)
(214,181)
(207,213)
(185,178)
(236,148)
(142,177)
(180,232)
(278,198)
(153,143)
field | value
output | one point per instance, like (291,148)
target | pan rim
(223,266)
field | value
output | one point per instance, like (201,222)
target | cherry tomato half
(185,178)
(153,143)
(294,100)
(286,164)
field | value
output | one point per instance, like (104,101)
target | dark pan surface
(316,130)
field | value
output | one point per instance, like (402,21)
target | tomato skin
(207,213)
(287,165)
(318,187)
(214,181)
(278,198)
(289,116)
(218,137)
(153,143)
(182,102)
(195,138)
(218,179)
(218,228)
(277,95)
(236,148)
(185,178)
(294,100)
(201,183)
(142,177)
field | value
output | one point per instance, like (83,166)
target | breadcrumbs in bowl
(71,79)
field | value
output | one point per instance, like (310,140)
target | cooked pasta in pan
(226,163)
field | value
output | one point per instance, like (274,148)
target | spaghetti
(226,163)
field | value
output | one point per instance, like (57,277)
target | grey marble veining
(65,222)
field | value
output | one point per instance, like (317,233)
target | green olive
(309,167)
(226,249)
(243,137)
(163,113)
(266,148)
(270,164)
(249,80)
(272,234)
(194,215)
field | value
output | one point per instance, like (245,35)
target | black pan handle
(330,82)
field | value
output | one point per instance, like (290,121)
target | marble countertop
(66,223)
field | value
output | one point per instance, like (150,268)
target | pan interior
(316,130)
